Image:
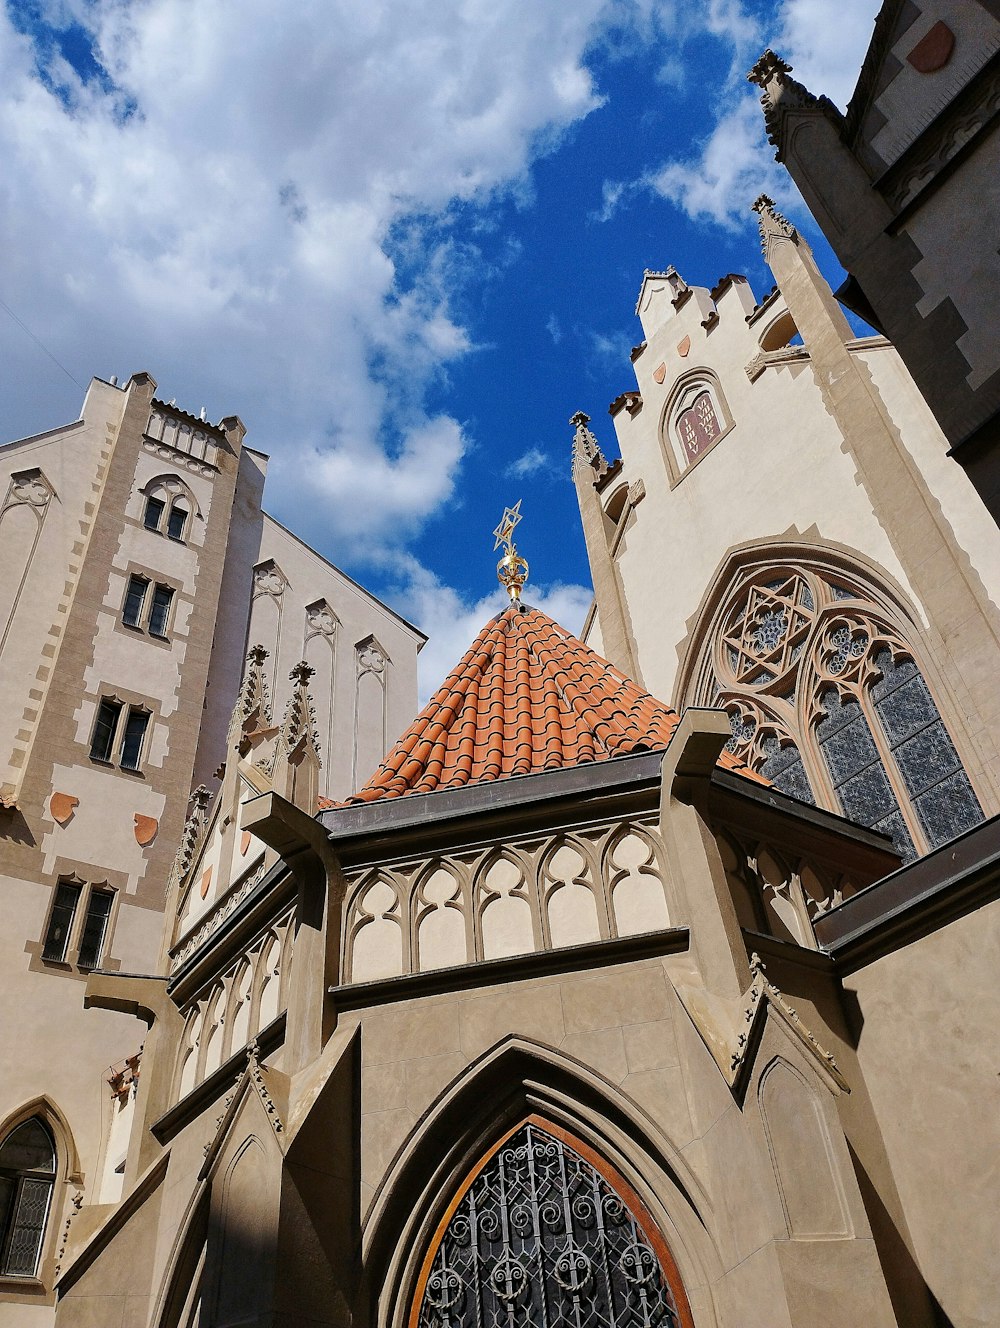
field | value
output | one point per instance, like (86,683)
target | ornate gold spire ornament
(512,569)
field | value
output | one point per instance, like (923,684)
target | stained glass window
(825,698)
(540,1239)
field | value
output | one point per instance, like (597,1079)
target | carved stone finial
(194,827)
(298,729)
(771,224)
(586,448)
(783,95)
(767,67)
(253,704)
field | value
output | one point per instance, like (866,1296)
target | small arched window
(168,506)
(27,1178)
(825,698)
(544,1232)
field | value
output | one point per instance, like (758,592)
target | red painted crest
(933,50)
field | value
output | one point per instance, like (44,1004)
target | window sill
(133,627)
(28,1285)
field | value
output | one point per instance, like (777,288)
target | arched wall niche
(515,1080)
(832,691)
(802,1156)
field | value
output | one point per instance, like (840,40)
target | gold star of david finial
(504,533)
(512,569)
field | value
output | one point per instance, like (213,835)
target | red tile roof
(526,696)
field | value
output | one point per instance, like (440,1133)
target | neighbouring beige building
(906,188)
(137,562)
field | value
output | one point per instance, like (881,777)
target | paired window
(87,926)
(27,1179)
(147,604)
(825,698)
(176,517)
(119,734)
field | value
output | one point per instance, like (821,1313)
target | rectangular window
(61,921)
(135,596)
(154,513)
(135,732)
(160,611)
(102,743)
(176,521)
(95,924)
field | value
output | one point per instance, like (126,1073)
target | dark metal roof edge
(916,898)
(416,810)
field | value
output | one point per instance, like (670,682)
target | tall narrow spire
(586,449)
(772,225)
(253,704)
(297,760)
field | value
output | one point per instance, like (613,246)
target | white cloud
(222,207)
(453,623)
(733,167)
(825,43)
(528,463)
(554,330)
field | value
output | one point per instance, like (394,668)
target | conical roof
(526,696)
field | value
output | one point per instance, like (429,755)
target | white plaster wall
(360,615)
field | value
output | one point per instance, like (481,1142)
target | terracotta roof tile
(526,696)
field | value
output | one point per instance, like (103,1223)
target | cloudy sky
(402,240)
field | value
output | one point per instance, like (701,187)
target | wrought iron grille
(541,1240)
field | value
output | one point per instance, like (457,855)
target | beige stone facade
(905,187)
(815,470)
(133,544)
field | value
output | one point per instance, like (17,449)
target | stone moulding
(732,1047)
(513,968)
(226,906)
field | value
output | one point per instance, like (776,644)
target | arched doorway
(545,1234)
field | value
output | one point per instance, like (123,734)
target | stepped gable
(526,696)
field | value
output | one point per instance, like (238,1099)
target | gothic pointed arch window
(27,1179)
(544,1234)
(818,672)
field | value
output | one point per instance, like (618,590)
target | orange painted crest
(145,829)
(62,806)
(659,373)
(933,50)
(683,346)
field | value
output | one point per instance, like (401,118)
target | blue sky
(402,240)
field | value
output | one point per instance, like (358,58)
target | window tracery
(27,1179)
(825,698)
(540,1236)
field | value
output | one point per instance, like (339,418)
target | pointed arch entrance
(544,1233)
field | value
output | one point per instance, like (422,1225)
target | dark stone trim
(514,968)
(952,881)
(209,1090)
